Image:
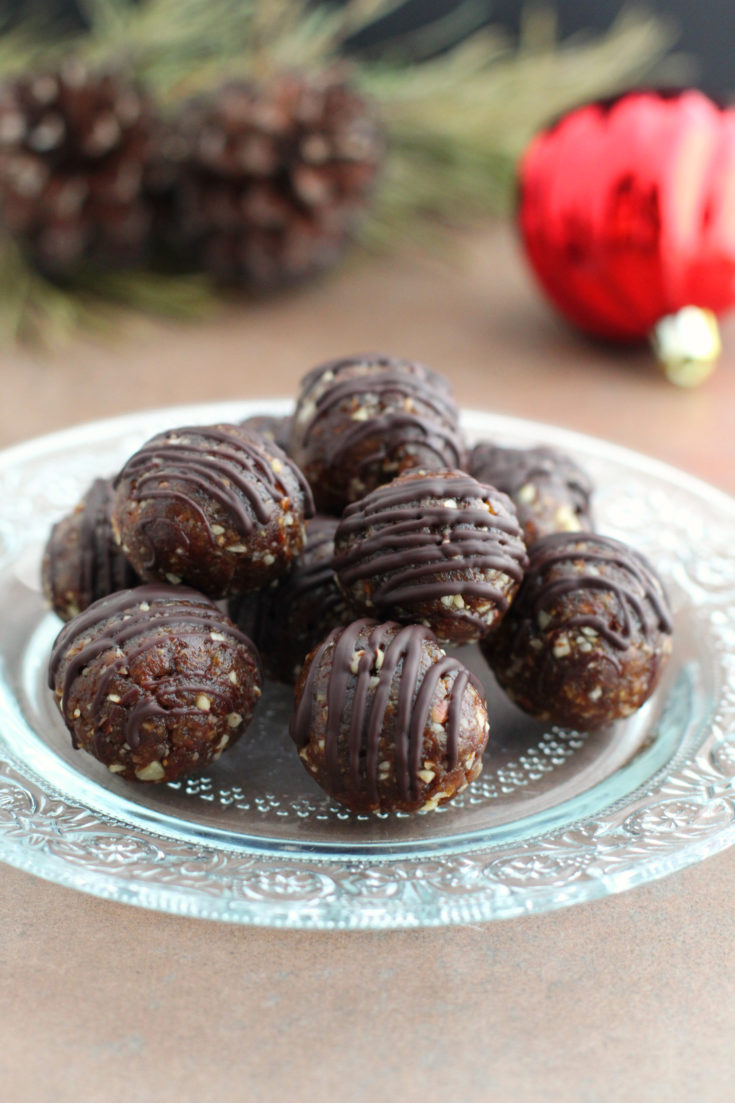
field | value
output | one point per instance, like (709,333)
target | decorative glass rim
(682,813)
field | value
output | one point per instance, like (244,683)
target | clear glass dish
(557,817)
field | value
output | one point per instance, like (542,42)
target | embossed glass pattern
(557,816)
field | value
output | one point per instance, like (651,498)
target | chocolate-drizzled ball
(359,422)
(288,618)
(81,561)
(270,426)
(385,721)
(154,682)
(550,491)
(440,549)
(588,634)
(217,507)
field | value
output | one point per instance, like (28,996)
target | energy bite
(384,720)
(550,491)
(289,617)
(588,635)
(440,549)
(277,429)
(363,420)
(217,507)
(81,561)
(154,682)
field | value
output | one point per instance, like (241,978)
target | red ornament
(627,211)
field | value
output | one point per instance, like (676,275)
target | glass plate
(557,817)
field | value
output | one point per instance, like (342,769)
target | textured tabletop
(626,998)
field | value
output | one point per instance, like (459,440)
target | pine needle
(458,123)
(35,310)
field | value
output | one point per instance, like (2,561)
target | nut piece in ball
(81,561)
(440,549)
(154,682)
(588,635)
(288,618)
(217,507)
(360,421)
(550,491)
(386,721)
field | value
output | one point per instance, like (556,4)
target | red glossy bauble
(627,210)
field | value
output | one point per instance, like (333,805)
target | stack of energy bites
(419,545)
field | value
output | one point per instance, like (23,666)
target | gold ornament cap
(687,345)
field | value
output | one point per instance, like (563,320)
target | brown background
(629,998)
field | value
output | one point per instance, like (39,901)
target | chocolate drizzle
(388,674)
(403,389)
(225,463)
(415,548)
(145,614)
(565,565)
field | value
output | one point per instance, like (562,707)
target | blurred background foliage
(459,86)
(706,28)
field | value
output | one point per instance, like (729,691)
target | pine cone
(274,177)
(74,146)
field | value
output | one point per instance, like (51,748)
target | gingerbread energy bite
(385,721)
(154,682)
(288,618)
(440,549)
(550,491)
(270,426)
(218,507)
(588,635)
(360,421)
(81,561)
